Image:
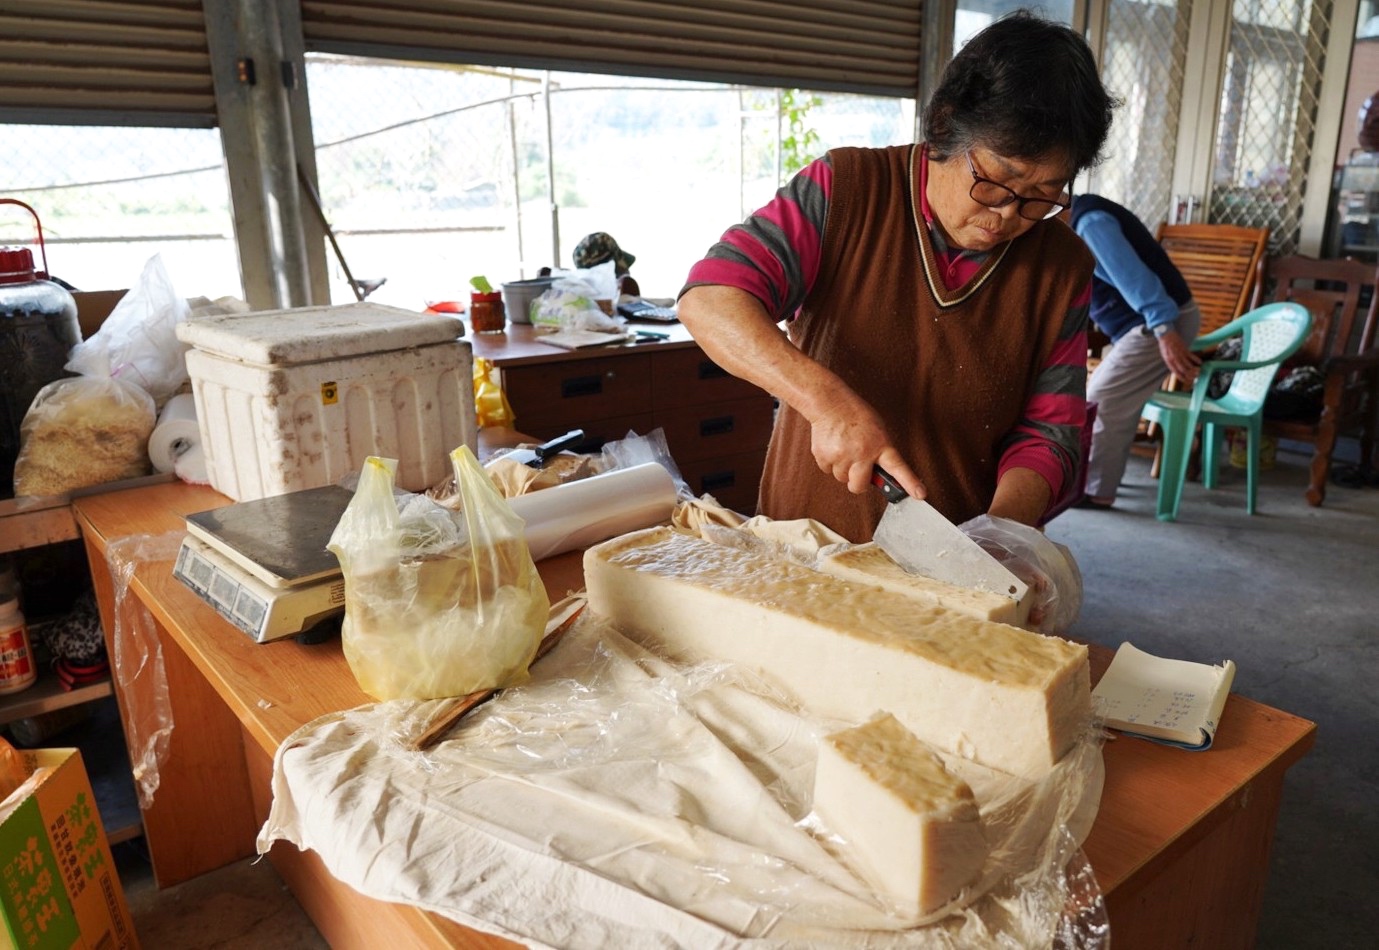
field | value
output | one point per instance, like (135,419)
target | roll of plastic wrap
(175,434)
(191,466)
(577,514)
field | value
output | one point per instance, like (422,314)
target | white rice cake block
(999,695)
(909,826)
(869,564)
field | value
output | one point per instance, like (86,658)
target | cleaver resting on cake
(924,542)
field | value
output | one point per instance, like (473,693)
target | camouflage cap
(596,248)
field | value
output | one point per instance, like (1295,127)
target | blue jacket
(1134,284)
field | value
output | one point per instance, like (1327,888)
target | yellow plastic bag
(437,603)
(490,402)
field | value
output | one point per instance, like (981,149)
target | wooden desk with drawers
(716,425)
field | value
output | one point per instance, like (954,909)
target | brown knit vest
(949,382)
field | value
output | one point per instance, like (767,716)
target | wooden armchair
(1341,348)
(1220,262)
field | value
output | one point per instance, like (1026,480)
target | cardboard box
(93,306)
(294,399)
(59,887)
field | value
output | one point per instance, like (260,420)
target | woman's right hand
(849,440)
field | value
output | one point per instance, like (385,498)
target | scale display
(260,610)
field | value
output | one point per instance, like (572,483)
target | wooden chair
(1341,348)
(1220,262)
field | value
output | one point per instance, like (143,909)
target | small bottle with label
(17,669)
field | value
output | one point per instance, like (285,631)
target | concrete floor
(1290,594)
(244,906)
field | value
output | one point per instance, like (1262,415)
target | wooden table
(1180,845)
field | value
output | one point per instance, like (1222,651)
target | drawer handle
(719,426)
(717,480)
(708,369)
(581,386)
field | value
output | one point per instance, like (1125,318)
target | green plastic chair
(1271,334)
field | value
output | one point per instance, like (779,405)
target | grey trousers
(1120,386)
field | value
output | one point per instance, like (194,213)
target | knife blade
(923,541)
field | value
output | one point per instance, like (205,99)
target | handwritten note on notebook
(1176,702)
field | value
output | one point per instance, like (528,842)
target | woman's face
(974,226)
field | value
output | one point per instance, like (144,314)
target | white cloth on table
(618,800)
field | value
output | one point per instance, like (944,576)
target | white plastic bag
(437,603)
(571,303)
(138,341)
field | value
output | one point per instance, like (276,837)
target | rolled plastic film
(176,432)
(175,443)
(577,514)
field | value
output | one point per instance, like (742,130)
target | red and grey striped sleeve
(1048,437)
(774,254)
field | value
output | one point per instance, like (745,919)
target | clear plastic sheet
(618,799)
(138,660)
(1047,566)
(633,450)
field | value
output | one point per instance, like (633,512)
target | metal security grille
(1142,63)
(109,197)
(1269,95)
(432,174)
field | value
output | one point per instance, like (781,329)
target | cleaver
(922,541)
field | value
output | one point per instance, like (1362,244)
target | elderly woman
(936,308)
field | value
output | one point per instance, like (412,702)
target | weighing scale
(263,565)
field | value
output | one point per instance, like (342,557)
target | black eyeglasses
(993,194)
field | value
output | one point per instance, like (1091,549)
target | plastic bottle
(17,669)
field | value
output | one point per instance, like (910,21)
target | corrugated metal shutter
(864,46)
(105,62)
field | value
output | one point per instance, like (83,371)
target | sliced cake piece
(999,695)
(909,826)
(869,564)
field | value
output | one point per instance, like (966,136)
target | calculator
(641,310)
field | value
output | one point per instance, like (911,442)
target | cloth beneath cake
(618,799)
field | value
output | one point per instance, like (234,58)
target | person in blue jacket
(1141,301)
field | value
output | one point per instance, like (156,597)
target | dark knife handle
(883,480)
(546,449)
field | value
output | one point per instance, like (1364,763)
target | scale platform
(263,565)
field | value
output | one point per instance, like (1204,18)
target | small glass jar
(486,314)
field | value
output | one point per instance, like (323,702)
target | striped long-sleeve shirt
(775,256)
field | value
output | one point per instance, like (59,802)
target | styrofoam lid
(311,334)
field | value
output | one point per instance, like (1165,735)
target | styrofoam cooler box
(295,399)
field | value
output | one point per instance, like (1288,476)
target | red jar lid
(16,265)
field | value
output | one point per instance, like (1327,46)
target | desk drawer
(574,392)
(733,480)
(718,429)
(688,377)
(596,431)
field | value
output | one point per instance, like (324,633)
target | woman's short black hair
(1024,87)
